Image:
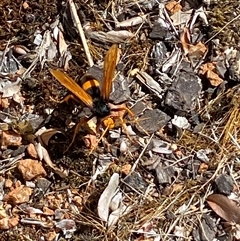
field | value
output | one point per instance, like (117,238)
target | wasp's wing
(72,86)
(108,71)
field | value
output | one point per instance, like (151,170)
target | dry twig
(81,32)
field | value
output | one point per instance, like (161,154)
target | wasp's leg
(100,138)
(109,122)
(82,122)
(133,117)
(124,126)
(66,99)
(112,121)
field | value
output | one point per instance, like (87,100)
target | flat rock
(152,121)
(224,184)
(184,92)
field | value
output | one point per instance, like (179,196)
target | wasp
(95,98)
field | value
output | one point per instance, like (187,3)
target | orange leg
(102,135)
(82,122)
(110,123)
(113,121)
(66,99)
(132,116)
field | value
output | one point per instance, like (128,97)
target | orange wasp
(98,101)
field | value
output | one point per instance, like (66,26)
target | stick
(140,156)
(81,32)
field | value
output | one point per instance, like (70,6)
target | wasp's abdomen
(92,87)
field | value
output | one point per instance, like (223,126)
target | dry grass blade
(233,123)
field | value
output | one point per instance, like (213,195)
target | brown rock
(32,151)
(7,223)
(4,223)
(12,222)
(126,169)
(48,211)
(31,169)
(17,184)
(18,195)
(8,183)
(78,200)
(3,213)
(25,5)
(203,168)
(10,138)
(50,236)
(4,102)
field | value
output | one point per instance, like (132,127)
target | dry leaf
(208,70)
(185,40)
(214,79)
(106,197)
(224,207)
(43,155)
(197,51)
(123,34)
(173,7)
(132,21)
(20,49)
(206,67)
(62,46)
(66,224)
(194,51)
(115,215)
(8,88)
(47,135)
(30,210)
(181,18)
(90,141)
(48,161)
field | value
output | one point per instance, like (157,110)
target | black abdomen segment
(91,85)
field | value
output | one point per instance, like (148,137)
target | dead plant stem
(81,32)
